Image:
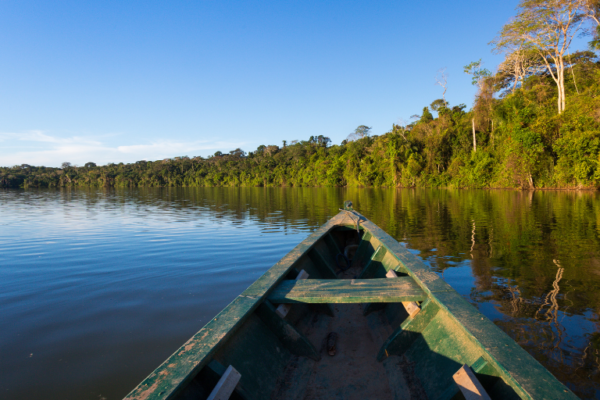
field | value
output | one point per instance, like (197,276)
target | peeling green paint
(446,333)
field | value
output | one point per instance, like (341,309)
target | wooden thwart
(284,309)
(469,385)
(347,291)
(412,308)
(241,333)
(226,385)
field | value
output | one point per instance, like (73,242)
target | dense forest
(535,123)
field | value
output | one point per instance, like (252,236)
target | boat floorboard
(354,372)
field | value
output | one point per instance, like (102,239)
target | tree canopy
(513,136)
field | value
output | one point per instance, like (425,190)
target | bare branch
(549,27)
(441,79)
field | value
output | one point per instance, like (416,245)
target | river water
(98,287)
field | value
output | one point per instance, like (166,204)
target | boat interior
(347,323)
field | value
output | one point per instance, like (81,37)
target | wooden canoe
(400,332)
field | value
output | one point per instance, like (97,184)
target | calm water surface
(98,287)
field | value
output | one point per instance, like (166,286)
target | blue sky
(122,81)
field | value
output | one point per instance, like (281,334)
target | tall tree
(427,115)
(438,105)
(238,153)
(591,10)
(480,76)
(517,65)
(478,73)
(323,140)
(360,132)
(549,27)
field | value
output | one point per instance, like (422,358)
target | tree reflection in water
(528,260)
(533,257)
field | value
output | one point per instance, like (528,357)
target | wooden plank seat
(469,385)
(284,309)
(442,333)
(384,290)
(412,308)
(226,384)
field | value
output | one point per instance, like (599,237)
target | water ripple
(98,287)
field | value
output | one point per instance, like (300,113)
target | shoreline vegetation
(515,136)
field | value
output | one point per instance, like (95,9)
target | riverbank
(510,139)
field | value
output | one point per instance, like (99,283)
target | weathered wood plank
(277,273)
(411,307)
(293,340)
(347,291)
(469,385)
(226,385)
(518,371)
(486,373)
(215,370)
(374,265)
(284,309)
(187,361)
(409,331)
(514,365)
(166,380)
(481,368)
(479,365)
(409,262)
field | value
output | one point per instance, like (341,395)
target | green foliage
(427,115)
(476,70)
(476,171)
(594,44)
(438,105)
(578,151)
(521,143)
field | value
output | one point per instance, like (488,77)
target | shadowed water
(98,287)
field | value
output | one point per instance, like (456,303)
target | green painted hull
(383,352)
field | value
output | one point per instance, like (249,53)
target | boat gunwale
(492,341)
(185,363)
(523,375)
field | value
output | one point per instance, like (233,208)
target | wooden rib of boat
(395,329)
